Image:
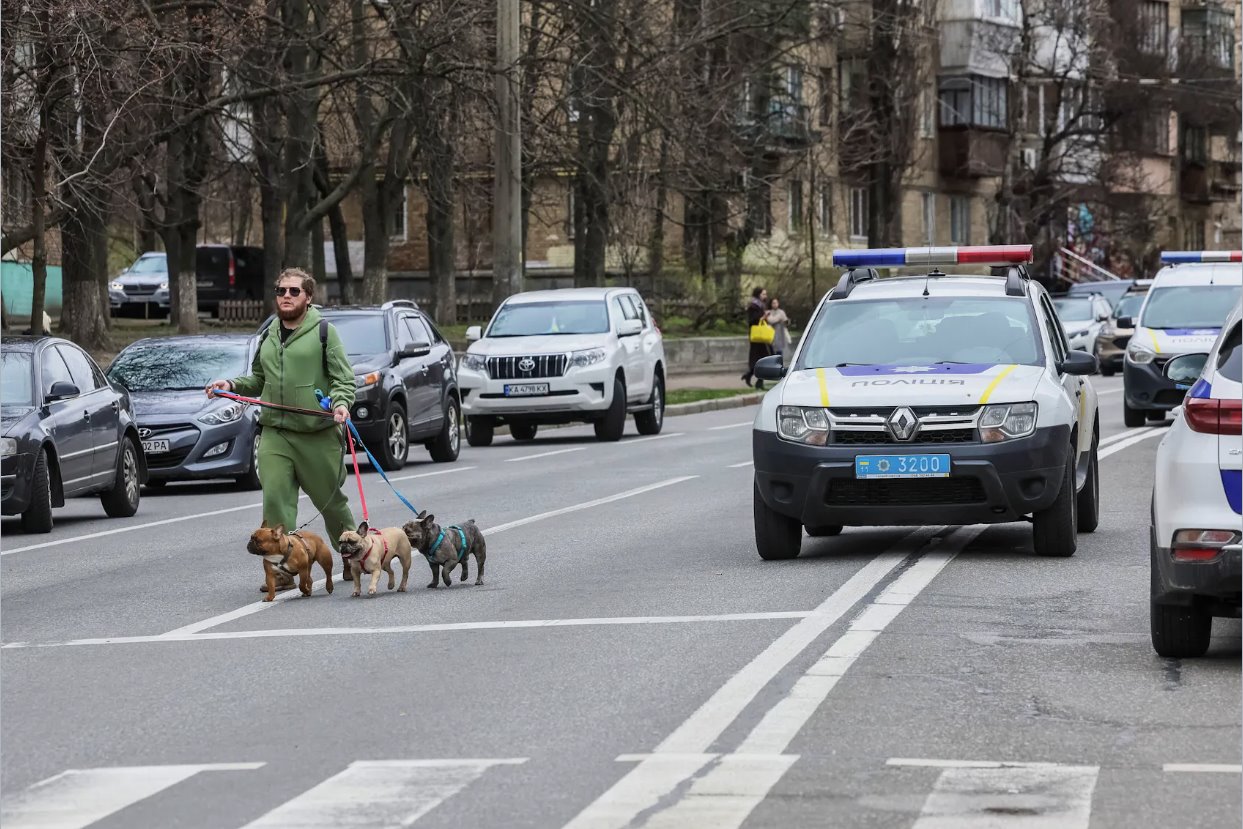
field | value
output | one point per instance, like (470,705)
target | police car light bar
(997,255)
(1186,257)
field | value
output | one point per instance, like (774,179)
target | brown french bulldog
(370,551)
(457,544)
(290,554)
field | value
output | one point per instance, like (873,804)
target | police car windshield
(1189,306)
(921,332)
(1073,309)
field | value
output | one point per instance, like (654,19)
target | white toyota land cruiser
(573,355)
(928,399)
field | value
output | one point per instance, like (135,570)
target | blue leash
(325,403)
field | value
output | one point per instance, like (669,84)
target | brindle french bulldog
(449,553)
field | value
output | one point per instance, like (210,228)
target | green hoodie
(288,374)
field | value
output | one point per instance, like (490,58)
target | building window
(858,213)
(929,205)
(927,114)
(824,219)
(974,101)
(960,220)
(397,219)
(1155,132)
(1195,144)
(570,205)
(787,100)
(796,206)
(1154,27)
(826,97)
(852,77)
(1193,235)
(1208,34)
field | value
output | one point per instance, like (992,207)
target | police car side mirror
(1079,362)
(1185,369)
(1126,322)
(769,368)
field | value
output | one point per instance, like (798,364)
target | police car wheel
(777,537)
(1133,418)
(827,531)
(1090,496)
(1179,631)
(1053,529)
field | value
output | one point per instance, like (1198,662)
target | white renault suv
(1197,498)
(573,355)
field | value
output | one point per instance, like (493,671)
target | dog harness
(288,552)
(462,550)
(362,561)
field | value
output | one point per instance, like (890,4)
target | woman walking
(781,326)
(757,312)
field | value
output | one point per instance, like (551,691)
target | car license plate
(526,389)
(154,447)
(902,466)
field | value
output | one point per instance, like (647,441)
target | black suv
(406,379)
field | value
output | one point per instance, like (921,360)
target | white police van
(1182,313)
(928,399)
(1197,498)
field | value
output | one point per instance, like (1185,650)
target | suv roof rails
(400,303)
(852,278)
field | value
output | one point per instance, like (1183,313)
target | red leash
(357,477)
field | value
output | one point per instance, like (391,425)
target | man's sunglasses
(290,291)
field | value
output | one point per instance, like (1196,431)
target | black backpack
(323,342)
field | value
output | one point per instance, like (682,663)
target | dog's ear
(362,528)
(429,519)
(422,514)
(279,529)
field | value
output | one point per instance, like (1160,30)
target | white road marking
(131,528)
(741,465)
(431,627)
(1129,433)
(1102,393)
(964,764)
(1203,768)
(79,797)
(682,754)
(653,437)
(545,454)
(255,607)
(726,794)
(377,794)
(1026,796)
(1129,442)
(730,426)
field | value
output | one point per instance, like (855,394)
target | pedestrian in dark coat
(757,310)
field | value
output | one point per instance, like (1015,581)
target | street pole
(507,262)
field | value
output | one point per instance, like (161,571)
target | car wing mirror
(474,333)
(1079,362)
(769,368)
(61,390)
(416,350)
(629,328)
(1185,369)
(1125,322)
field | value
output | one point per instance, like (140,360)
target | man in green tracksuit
(299,451)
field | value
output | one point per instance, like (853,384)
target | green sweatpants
(313,462)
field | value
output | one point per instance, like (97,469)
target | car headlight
(1007,421)
(803,425)
(8,447)
(225,414)
(163,286)
(587,357)
(1140,354)
(363,381)
(116,286)
(475,362)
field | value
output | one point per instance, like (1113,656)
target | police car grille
(846,492)
(920,411)
(510,368)
(859,438)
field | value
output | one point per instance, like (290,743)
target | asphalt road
(629,662)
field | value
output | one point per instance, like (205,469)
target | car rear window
(362,334)
(1230,358)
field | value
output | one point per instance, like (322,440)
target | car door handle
(86,416)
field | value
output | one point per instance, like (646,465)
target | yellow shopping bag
(763,333)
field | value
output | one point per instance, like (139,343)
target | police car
(1197,498)
(1182,313)
(928,399)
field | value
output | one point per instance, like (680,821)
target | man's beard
(292,314)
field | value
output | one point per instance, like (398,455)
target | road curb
(679,409)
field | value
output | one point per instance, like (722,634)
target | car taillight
(1201,545)
(1214,416)
(232,273)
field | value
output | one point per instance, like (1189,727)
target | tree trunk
(441,247)
(38,264)
(299,141)
(341,254)
(84,239)
(375,245)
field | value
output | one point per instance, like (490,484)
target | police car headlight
(1139,354)
(475,362)
(1007,421)
(803,425)
(225,414)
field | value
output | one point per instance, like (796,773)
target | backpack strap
(323,342)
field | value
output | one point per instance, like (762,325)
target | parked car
(406,378)
(141,286)
(67,433)
(1197,498)
(1112,289)
(1113,338)
(186,435)
(1082,318)
(589,355)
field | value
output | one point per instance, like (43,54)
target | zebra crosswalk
(380,794)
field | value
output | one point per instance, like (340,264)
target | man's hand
(219,385)
(340,414)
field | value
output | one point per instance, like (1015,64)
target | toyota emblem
(902,423)
(526,365)
(144,432)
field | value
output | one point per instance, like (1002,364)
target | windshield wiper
(845,365)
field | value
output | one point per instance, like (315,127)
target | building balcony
(784,129)
(971,152)
(1208,183)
